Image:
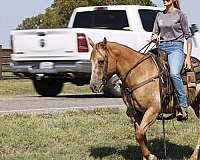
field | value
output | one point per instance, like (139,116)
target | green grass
(73,89)
(25,87)
(16,87)
(102,134)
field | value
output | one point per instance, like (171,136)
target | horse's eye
(101,62)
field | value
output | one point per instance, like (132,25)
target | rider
(170,29)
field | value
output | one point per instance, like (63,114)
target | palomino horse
(140,86)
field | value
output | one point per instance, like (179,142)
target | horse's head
(102,65)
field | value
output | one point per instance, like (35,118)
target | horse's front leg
(140,132)
(196,107)
(196,150)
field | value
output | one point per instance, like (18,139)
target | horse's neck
(126,58)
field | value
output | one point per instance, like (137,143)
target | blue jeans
(176,60)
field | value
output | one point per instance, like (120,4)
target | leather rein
(123,78)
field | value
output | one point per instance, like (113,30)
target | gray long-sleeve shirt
(172,26)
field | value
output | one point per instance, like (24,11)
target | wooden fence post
(1,62)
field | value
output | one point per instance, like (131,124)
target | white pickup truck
(51,57)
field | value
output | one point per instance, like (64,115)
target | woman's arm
(188,37)
(156,30)
(188,64)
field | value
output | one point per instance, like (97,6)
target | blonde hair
(176,4)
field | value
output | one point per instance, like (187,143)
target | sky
(13,12)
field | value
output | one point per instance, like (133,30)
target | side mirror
(194,28)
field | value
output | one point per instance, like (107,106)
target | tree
(33,22)
(59,13)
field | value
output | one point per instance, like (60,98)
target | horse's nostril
(93,87)
(96,86)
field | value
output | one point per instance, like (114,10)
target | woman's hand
(188,63)
(155,38)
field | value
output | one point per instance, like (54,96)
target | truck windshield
(148,17)
(105,19)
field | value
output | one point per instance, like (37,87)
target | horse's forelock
(99,46)
(95,49)
(102,45)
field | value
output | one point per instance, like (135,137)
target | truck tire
(113,87)
(48,87)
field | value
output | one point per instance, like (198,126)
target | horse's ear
(104,41)
(91,42)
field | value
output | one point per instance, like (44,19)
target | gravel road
(55,104)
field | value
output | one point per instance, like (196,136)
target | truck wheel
(48,87)
(113,87)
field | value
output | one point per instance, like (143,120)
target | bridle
(106,77)
(123,77)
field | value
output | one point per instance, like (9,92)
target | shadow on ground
(83,95)
(132,152)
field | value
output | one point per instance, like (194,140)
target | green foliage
(33,22)
(60,11)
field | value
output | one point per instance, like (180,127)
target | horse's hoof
(195,153)
(151,157)
(194,156)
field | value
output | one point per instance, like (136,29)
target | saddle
(170,103)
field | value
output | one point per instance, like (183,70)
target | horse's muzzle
(96,87)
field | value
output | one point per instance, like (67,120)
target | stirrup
(182,116)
